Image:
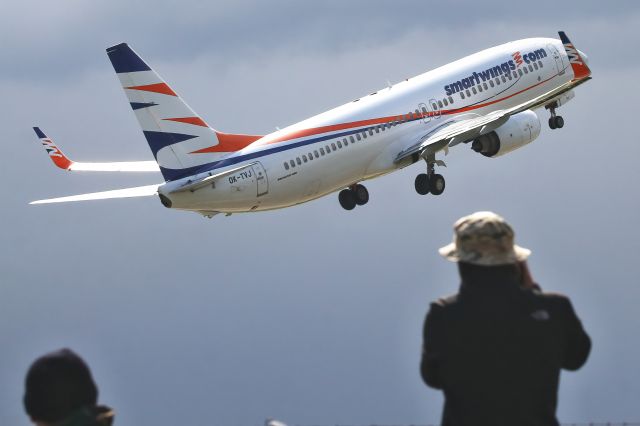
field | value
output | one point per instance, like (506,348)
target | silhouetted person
(496,348)
(59,391)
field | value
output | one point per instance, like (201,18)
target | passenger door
(261,178)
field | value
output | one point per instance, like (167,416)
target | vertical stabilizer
(578,63)
(181,141)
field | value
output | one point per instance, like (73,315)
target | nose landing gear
(555,121)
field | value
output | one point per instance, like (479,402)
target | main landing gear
(555,121)
(355,195)
(430,182)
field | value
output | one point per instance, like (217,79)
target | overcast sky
(312,315)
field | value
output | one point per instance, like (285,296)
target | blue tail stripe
(139,105)
(40,133)
(159,140)
(124,59)
(563,37)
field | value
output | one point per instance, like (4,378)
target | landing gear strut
(555,121)
(430,182)
(354,195)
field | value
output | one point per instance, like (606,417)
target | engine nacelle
(518,131)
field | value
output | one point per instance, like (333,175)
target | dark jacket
(99,415)
(496,351)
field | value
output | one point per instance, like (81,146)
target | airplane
(485,100)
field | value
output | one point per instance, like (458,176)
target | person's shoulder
(445,302)
(550,299)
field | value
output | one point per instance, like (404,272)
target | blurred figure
(59,391)
(496,348)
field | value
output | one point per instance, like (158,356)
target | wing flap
(138,191)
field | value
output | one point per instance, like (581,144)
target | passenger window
(515,74)
(504,80)
(358,136)
(351,139)
(286,165)
(461,95)
(491,83)
(326,147)
(377,129)
(293,163)
(440,104)
(530,67)
(473,89)
(468,92)
(364,135)
(304,158)
(310,156)
(526,71)
(434,106)
(316,153)
(344,142)
(540,64)
(424,110)
(535,66)
(520,72)
(485,86)
(333,145)
(339,144)
(322,151)
(450,100)
(445,102)
(298,161)
(479,87)
(370,132)
(498,80)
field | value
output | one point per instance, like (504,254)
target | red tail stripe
(229,143)
(196,121)
(156,88)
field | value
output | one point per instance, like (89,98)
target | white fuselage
(299,163)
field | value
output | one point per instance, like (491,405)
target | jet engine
(518,131)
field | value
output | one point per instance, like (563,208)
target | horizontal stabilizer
(138,191)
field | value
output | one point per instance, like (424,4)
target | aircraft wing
(467,128)
(138,191)
(63,162)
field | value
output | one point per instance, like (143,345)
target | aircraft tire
(347,199)
(360,194)
(436,184)
(552,123)
(559,122)
(422,184)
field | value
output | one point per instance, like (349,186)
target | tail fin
(180,140)
(578,63)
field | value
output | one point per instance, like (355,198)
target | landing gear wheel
(422,184)
(347,199)
(360,194)
(558,122)
(552,123)
(436,184)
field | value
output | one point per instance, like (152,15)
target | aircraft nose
(584,56)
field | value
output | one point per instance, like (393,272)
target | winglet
(578,63)
(56,155)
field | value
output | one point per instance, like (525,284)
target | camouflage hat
(483,238)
